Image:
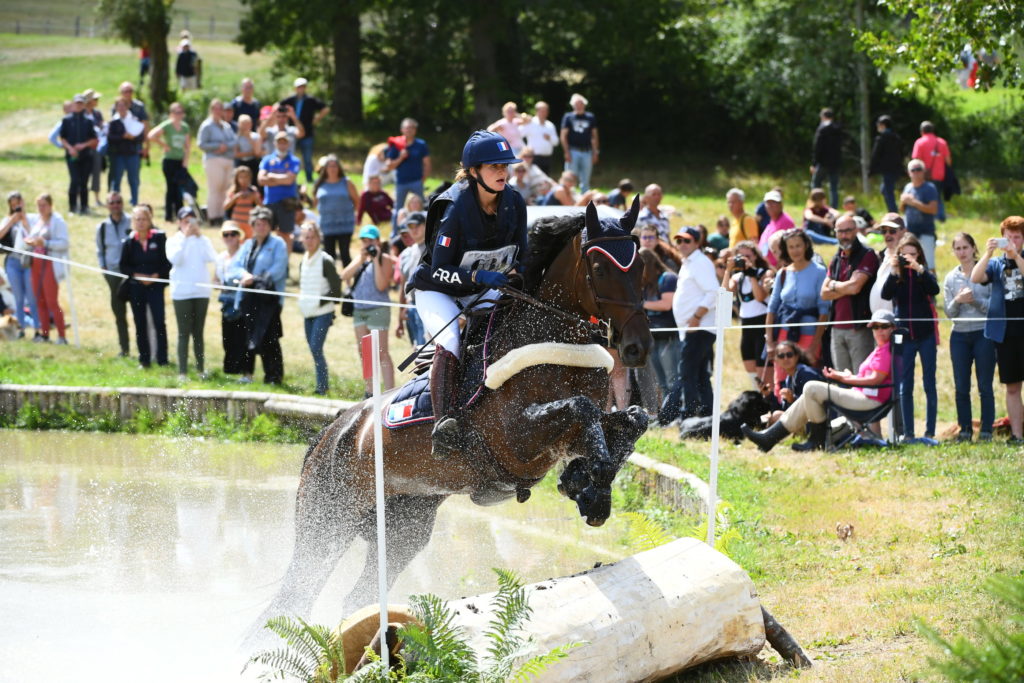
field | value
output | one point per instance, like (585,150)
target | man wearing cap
(778,220)
(409,158)
(278,171)
(920,203)
(109,234)
(848,287)
(79,140)
(185,66)
(693,306)
(580,141)
(309,111)
(651,214)
(408,261)
(892,228)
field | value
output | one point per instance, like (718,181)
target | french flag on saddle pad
(401,410)
(444,240)
(503,146)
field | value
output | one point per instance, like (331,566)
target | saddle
(411,405)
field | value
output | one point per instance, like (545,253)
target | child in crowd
(242,198)
(376,203)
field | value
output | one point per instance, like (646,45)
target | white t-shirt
(542,137)
(750,308)
(875,299)
(188,257)
(697,286)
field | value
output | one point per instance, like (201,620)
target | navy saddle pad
(410,405)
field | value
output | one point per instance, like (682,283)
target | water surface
(129,558)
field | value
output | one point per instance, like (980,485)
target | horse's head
(611,288)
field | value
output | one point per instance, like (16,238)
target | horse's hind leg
(409,522)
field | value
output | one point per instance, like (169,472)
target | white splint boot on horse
(447,435)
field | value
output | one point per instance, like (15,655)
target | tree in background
(937,32)
(144,22)
(318,39)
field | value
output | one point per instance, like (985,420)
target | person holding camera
(190,253)
(1005,324)
(13,231)
(743,277)
(476,234)
(911,287)
(370,279)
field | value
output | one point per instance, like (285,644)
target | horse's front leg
(592,476)
(621,430)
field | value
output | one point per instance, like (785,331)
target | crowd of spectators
(803,319)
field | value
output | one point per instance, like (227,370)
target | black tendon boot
(447,435)
(768,438)
(815,437)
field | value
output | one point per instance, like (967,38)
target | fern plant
(438,650)
(313,653)
(433,647)
(1000,655)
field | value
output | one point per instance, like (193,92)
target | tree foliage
(144,23)
(930,43)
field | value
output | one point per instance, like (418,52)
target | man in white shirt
(541,136)
(693,307)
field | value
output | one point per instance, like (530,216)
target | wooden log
(641,619)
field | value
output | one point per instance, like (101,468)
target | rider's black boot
(447,435)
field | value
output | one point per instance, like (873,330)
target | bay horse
(546,410)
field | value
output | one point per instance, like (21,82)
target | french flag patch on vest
(502,146)
(444,241)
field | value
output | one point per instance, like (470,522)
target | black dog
(746,409)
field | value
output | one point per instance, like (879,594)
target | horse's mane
(547,237)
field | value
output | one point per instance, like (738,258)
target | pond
(131,558)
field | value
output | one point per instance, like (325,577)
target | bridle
(589,247)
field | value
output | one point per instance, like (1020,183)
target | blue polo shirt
(410,170)
(275,164)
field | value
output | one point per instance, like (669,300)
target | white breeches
(437,309)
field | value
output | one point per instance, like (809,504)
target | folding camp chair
(860,421)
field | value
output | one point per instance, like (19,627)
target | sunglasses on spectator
(645,238)
(684,240)
(890,231)
(917,170)
(785,354)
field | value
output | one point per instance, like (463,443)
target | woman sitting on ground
(864,394)
(796,371)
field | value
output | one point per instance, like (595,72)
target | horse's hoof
(595,504)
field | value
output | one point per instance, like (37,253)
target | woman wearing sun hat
(370,278)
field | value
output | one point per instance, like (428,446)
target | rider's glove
(490,278)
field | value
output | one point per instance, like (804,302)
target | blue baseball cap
(369,232)
(483,147)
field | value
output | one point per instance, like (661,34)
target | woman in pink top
(864,393)
(508,126)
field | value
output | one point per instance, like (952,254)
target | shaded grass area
(262,428)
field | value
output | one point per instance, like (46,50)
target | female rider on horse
(476,233)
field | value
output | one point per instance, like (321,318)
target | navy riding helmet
(483,147)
